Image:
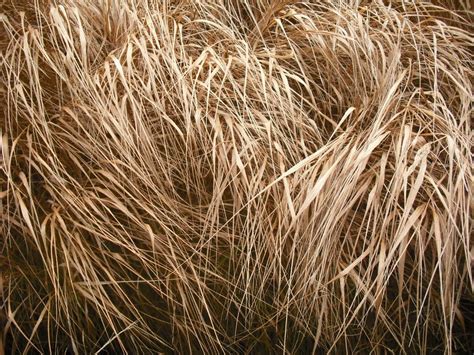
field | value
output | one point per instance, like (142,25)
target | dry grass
(236,176)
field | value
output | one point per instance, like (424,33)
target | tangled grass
(236,176)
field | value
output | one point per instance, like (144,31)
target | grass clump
(236,176)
